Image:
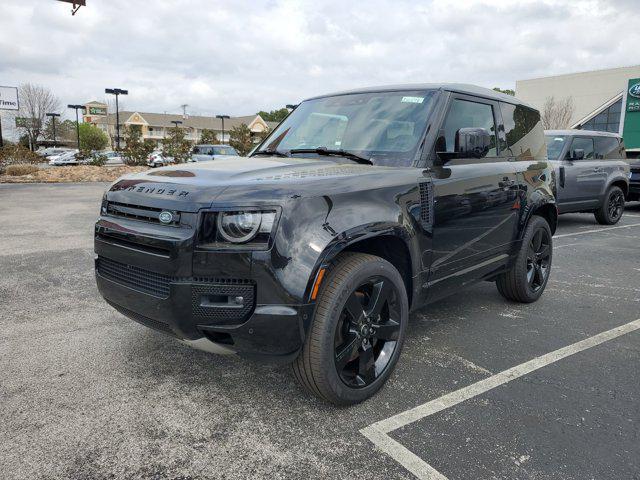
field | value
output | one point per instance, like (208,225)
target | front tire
(357,331)
(612,208)
(529,275)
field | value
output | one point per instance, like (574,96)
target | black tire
(612,208)
(348,378)
(529,275)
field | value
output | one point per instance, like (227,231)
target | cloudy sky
(238,57)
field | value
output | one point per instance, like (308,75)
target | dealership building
(603,100)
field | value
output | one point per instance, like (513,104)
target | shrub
(97,160)
(12,154)
(19,169)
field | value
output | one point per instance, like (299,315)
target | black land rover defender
(359,207)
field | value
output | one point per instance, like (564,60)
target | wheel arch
(549,212)
(394,244)
(619,182)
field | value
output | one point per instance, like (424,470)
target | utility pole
(53,120)
(184,110)
(222,117)
(76,108)
(116,92)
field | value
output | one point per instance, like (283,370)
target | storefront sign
(9,98)
(631,131)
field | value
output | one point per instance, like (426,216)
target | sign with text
(631,128)
(9,98)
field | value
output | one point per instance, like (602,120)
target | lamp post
(222,117)
(116,92)
(176,123)
(76,108)
(53,120)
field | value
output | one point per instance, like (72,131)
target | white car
(113,158)
(157,159)
(52,151)
(68,158)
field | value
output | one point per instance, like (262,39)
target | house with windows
(603,100)
(155,126)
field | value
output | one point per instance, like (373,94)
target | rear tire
(529,275)
(612,208)
(357,332)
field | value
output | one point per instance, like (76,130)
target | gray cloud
(242,56)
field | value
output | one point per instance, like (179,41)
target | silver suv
(592,174)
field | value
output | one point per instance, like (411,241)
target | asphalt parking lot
(88,394)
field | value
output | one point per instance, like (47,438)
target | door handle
(597,169)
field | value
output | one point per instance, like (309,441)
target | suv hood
(202,183)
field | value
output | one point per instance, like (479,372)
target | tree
(35,102)
(176,146)
(92,138)
(557,114)
(274,115)
(136,150)
(263,134)
(209,136)
(240,139)
(506,91)
(65,131)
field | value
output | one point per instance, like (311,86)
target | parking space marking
(378,432)
(597,230)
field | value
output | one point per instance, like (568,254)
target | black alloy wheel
(538,259)
(367,333)
(616,205)
(357,331)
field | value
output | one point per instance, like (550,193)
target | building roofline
(599,109)
(577,73)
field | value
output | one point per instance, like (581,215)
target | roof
(449,87)
(191,121)
(576,132)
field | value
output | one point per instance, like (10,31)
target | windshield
(555,145)
(385,127)
(224,151)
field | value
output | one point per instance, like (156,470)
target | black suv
(358,208)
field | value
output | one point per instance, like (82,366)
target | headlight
(250,229)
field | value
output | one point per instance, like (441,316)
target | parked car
(53,151)
(67,158)
(113,158)
(634,180)
(592,172)
(158,159)
(357,208)
(203,153)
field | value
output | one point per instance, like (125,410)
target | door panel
(474,220)
(584,178)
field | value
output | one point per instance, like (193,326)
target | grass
(81,173)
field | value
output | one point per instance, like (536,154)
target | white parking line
(597,230)
(378,432)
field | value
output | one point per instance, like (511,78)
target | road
(89,394)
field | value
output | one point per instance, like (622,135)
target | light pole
(116,92)
(76,108)
(176,123)
(222,117)
(53,120)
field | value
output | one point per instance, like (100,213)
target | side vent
(426,204)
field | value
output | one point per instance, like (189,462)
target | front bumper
(223,303)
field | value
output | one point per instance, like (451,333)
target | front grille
(141,319)
(137,278)
(141,213)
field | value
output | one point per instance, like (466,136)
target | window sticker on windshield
(412,99)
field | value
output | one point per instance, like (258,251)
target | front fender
(314,230)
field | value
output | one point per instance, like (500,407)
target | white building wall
(589,89)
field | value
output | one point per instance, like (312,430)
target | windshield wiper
(337,152)
(271,153)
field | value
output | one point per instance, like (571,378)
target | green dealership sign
(631,132)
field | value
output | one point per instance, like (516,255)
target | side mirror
(577,154)
(472,142)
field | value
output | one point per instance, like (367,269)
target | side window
(607,147)
(582,143)
(524,132)
(466,114)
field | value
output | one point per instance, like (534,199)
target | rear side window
(466,114)
(607,147)
(582,143)
(524,132)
